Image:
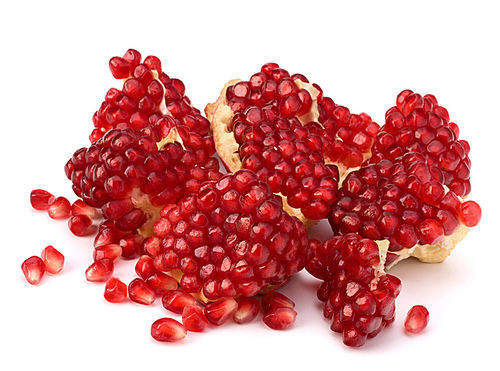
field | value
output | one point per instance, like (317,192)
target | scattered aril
(194,319)
(100,270)
(60,208)
(160,283)
(280,318)
(144,267)
(218,312)
(80,225)
(33,269)
(168,330)
(115,291)
(53,259)
(416,319)
(111,251)
(41,199)
(176,300)
(247,311)
(274,300)
(139,292)
(81,208)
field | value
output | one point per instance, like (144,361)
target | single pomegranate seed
(41,199)
(416,319)
(275,300)
(280,318)
(161,283)
(218,312)
(60,208)
(469,213)
(33,269)
(81,208)
(248,309)
(53,259)
(80,225)
(145,267)
(115,291)
(140,292)
(194,319)
(176,300)
(168,330)
(110,251)
(119,67)
(100,270)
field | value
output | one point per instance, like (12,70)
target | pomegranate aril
(168,330)
(60,208)
(280,318)
(274,300)
(115,291)
(41,199)
(247,311)
(194,319)
(100,270)
(33,269)
(140,292)
(110,251)
(119,67)
(144,267)
(161,283)
(469,213)
(80,225)
(53,259)
(81,208)
(176,300)
(218,312)
(416,319)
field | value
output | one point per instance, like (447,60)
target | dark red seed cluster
(288,157)
(404,202)
(130,179)
(418,123)
(278,93)
(359,298)
(232,237)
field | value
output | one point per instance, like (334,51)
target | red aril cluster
(50,260)
(231,238)
(359,298)
(418,123)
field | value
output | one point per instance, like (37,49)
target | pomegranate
(230,238)
(416,319)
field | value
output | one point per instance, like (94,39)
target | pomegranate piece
(33,269)
(41,199)
(247,311)
(218,312)
(168,330)
(81,208)
(140,292)
(359,297)
(232,237)
(100,270)
(53,259)
(80,225)
(60,208)
(280,318)
(176,300)
(115,291)
(416,319)
(194,319)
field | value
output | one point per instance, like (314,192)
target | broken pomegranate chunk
(168,330)
(417,319)
(33,269)
(53,259)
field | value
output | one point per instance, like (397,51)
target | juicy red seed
(144,267)
(431,231)
(80,225)
(161,283)
(218,312)
(248,309)
(140,292)
(110,251)
(81,208)
(176,300)
(53,259)
(41,199)
(469,213)
(33,269)
(168,330)
(280,318)
(416,319)
(115,291)
(100,270)
(60,208)
(194,319)
(275,300)
(119,67)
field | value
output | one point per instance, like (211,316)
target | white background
(54,74)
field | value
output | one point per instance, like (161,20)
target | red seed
(161,283)
(168,329)
(53,259)
(145,267)
(194,319)
(140,292)
(248,309)
(60,208)
(416,319)
(176,300)
(41,199)
(280,318)
(33,269)
(100,270)
(80,225)
(115,291)
(81,208)
(111,251)
(469,213)
(275,300)
(218,312)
